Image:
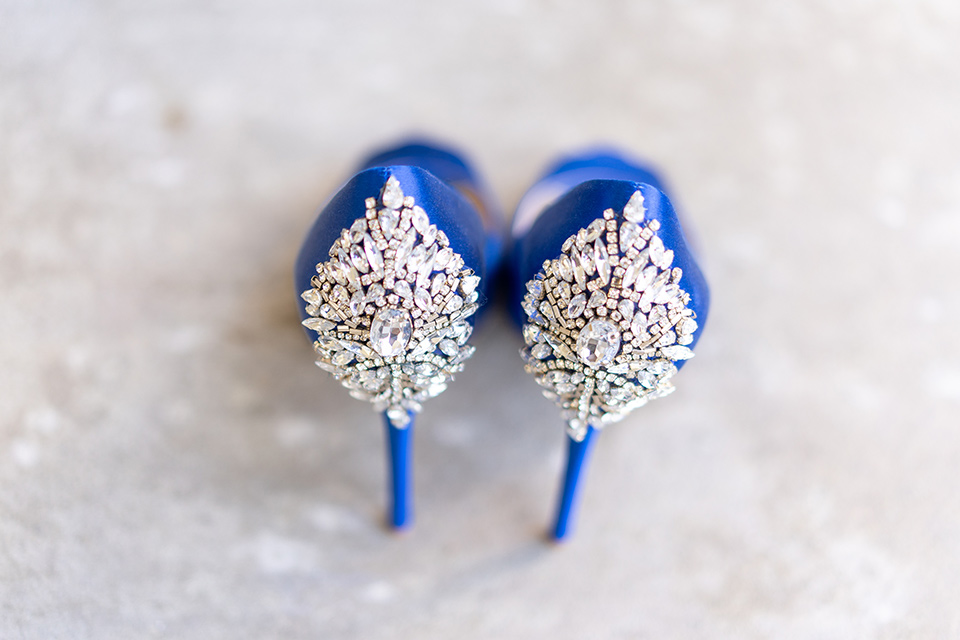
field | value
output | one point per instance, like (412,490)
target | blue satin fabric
(445,207)
(600,182)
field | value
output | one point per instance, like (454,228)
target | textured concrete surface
(174,466)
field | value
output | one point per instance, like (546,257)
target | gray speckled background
(172,465)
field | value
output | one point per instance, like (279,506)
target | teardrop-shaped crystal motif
(339,295)
(438,282)
(392,194)
(639,325)
(429,235)
(454,304)
(686,326)
(443,258)
(634,209)
(328,312)
(374,257)
(357,229)
(311,296)
(356,303)
(374,293)
(333,271)
(469,284)
(656,250)
(390,331)
(625,307)
(602,260)
(388,219)
(422,299)
(449,347)
(402,287)
(358,259)
(420,220)
(576,306)
(597,299)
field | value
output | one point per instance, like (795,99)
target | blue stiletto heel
(609,296)
(390,276)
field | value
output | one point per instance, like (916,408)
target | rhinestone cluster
(607,319)
(390,307)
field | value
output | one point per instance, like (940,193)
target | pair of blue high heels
(603,285)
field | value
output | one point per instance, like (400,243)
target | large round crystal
(598,343)
(390,332)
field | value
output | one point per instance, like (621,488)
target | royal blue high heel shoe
(390,277)
(609,296)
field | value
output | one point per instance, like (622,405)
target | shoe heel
(390,276)
(608,294)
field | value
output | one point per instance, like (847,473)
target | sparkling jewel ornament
(607,319)
(390,307)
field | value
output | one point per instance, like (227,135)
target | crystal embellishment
(607,320)
(392,306)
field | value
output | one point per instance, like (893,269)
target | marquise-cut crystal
(416,258)
(358,259)
(406,246)
(565,267)
(373,254)
(587,261)
(576,306)
(603,262)
(598,343)
(677,352)
(318,324)
(420,220)
(390,332)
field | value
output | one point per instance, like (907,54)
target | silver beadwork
(390,307)
(606,320)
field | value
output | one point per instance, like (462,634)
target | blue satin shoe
(609,296)
(390,278)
